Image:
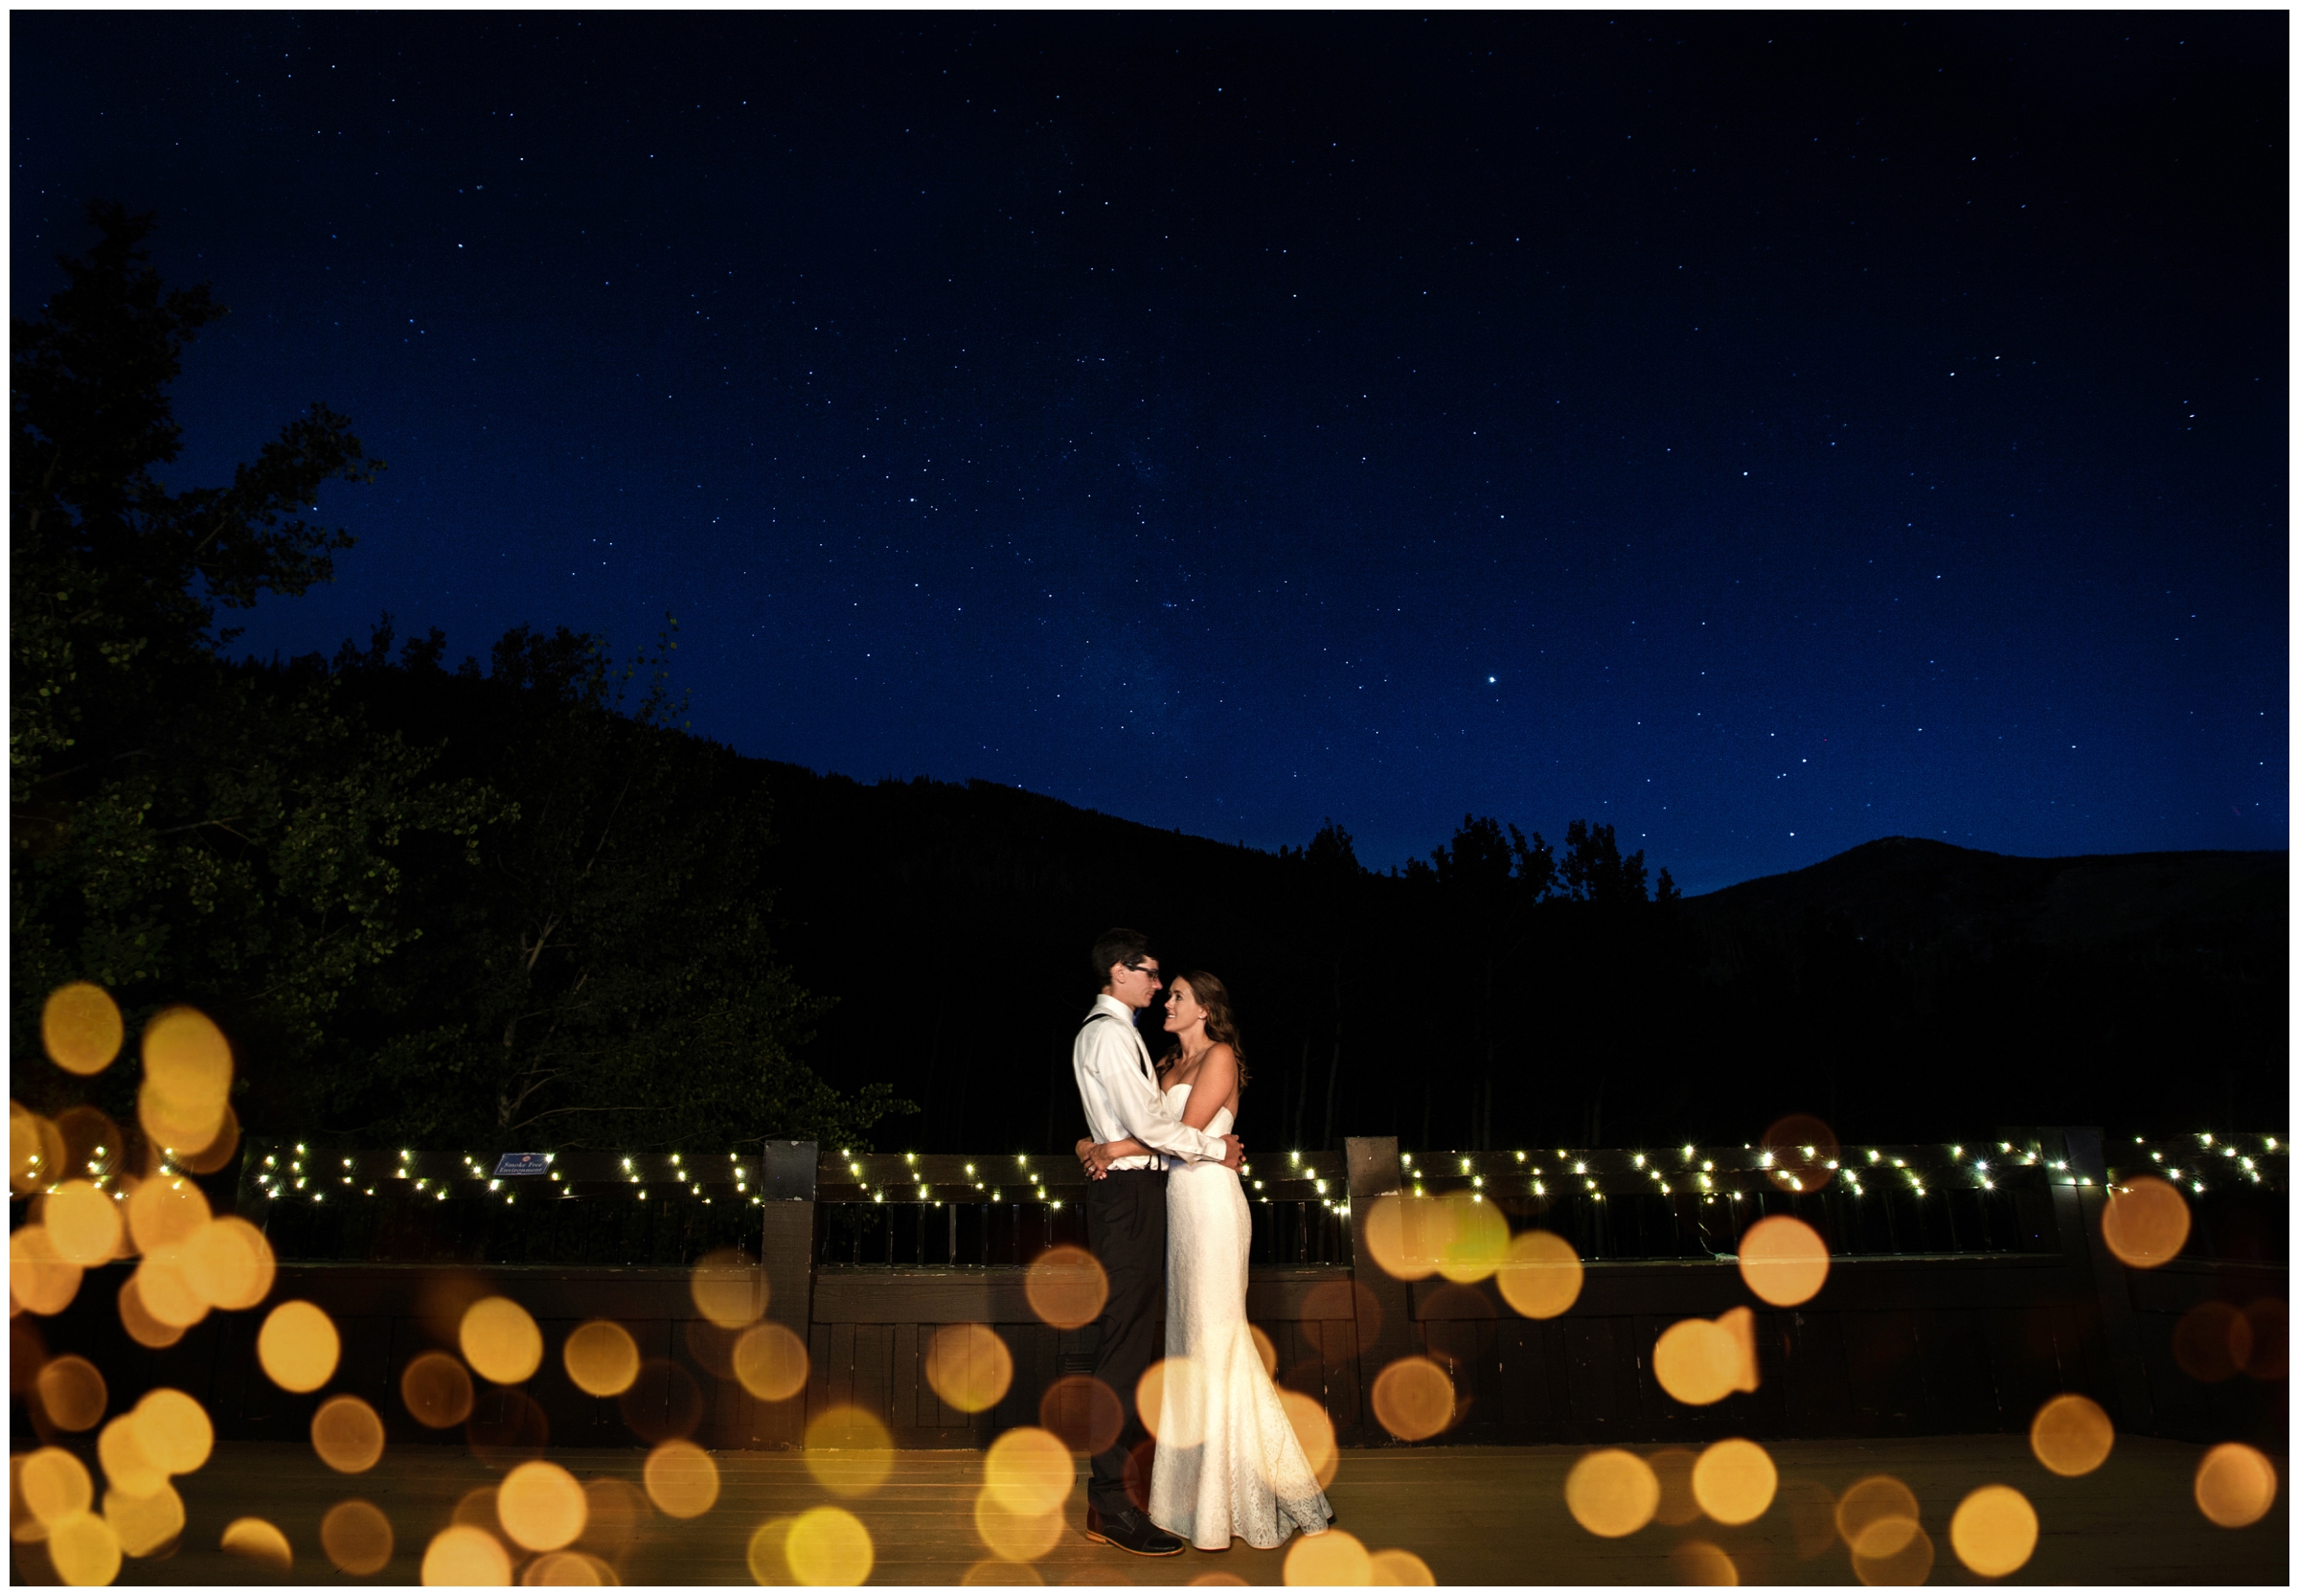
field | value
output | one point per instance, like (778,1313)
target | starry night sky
(1765,434)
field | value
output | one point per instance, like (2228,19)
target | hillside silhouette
(1903,989)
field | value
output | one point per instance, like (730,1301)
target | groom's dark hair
(1118,946)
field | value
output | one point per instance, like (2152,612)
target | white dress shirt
(1119,1088)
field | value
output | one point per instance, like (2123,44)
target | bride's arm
(1216,1079)
(1098,1156)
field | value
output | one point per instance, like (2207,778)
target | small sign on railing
(523,1163)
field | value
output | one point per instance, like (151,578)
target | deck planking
(1477,1514)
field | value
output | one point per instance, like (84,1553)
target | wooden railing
(1958,1297)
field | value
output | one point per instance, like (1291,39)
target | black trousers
(1126,1231)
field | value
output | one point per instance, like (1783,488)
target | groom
(1126,1215)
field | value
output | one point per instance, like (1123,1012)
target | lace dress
(1227,1461)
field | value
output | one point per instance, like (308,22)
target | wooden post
(786,1260)
(2098,1273)
(1373,1172)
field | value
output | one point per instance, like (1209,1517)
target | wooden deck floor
(1476,1514)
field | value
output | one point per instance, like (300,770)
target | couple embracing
(1166,1218)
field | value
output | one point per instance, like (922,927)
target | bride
(1241,1471)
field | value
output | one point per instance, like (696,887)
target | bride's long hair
(1221,1024)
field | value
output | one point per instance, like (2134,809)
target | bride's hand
(1091,1158)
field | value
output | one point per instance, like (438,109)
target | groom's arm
(1140,1111)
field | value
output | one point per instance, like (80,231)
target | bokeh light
(1702,1562)
(1791,1168)
(768,1552)
(771,1362)
(602,1358)
(1314,1430)
(1993,1532)
(85,1550)
(681,1479)
(126,1465)
(500,1341)
(507,1426)
(187,1078)
(347,1435)
(164,1285)
(1335,1558)
(1219,1579)
(93,1144)
(1083,1411)
(39,1277)
(1398,1566)
(664,1403)
(465,1554)
(2071,1435)
(1541,1276)
(2146,1222)
(710,1346)
(207,1160)
(1784,1261)
(568,1569)
(1175,1418)
(71,1391)
(83,1222)
(144,1524)
(2212,1341)
(357,1537)
(261,1541)
(2235,1485)
(1015,1536)
(1698,1362)
(1066,1287)
(1413,1399)
(1028,1470)
(478,1507)
(229,1263)
(1909,1562)
(297,1346)
(1877,1517)
(999,1571)
(1673,1466)
(175,1430)
(1611,1492)
(1405,1236)
(729,1289)
(54,1485)
(541,1507)
(616,1510)
(81,1027)
(1476,1240)
(165,1210)
(136,1319)
(829,1545)
(437,1389)
(1734,1482)
(2270,1321)
(968,1367)
(1264,1349)
(36,1156)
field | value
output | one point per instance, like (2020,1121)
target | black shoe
(1130,1532)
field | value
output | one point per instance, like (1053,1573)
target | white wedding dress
(1227,1461)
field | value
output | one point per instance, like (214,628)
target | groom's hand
(1233,1152)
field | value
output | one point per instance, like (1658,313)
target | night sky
(1765,434)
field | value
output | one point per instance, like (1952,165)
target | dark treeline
(512,902)
(1504,994)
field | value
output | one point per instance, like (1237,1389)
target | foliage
(620,920)
(471,907)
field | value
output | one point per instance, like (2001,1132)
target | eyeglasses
(1150,971)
